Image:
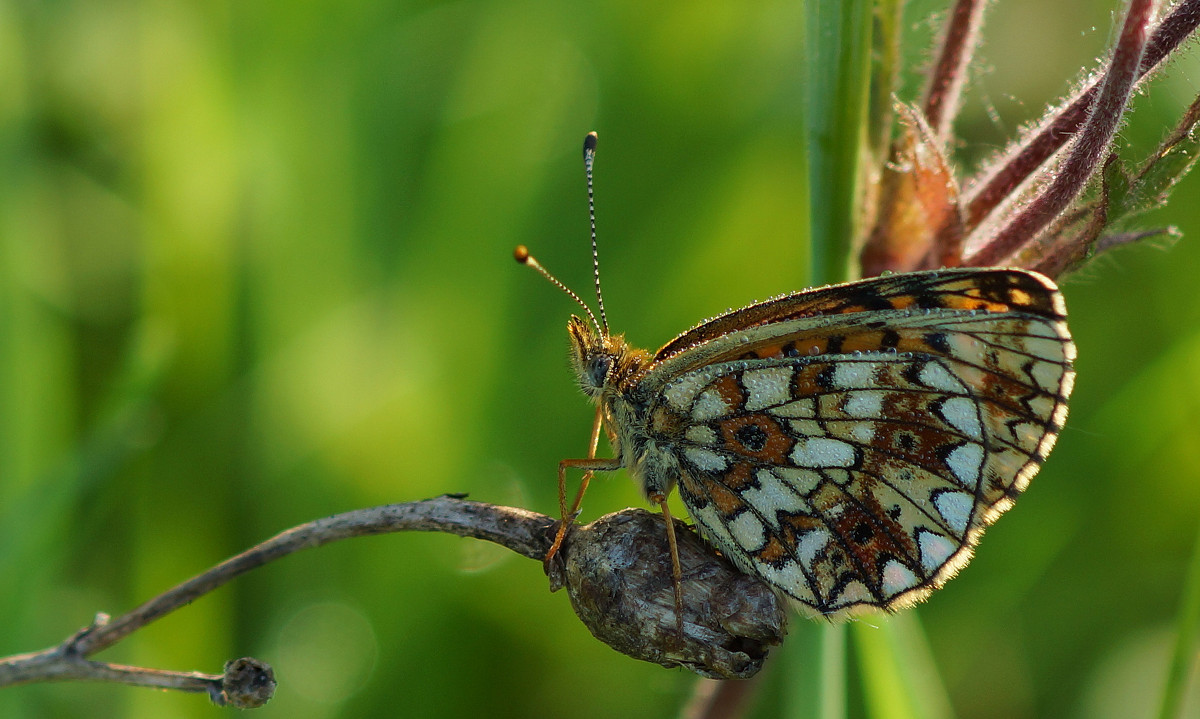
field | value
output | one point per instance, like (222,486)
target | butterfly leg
(676,570)
(587,476)
(591,465)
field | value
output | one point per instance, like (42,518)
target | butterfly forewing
(990,290)
(849,444)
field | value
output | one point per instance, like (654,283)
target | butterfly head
(601,361)
(591,358)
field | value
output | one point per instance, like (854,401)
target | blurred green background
(255,269)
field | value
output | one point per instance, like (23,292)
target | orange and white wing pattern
(850,444)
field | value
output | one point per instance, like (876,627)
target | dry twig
(247,682)
(612,568)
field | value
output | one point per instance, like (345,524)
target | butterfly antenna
(589,158)
(521,254)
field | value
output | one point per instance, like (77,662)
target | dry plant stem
(522,531)
(987,193)
(60,664)
(517,529)
(1088,150)
(946,80)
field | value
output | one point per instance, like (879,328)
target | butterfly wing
(862,478)
(855,316)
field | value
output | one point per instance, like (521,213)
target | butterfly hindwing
(861,474)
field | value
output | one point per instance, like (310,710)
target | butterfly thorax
(608,370)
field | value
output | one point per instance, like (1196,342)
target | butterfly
(847,444)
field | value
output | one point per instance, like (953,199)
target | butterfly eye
(597,369)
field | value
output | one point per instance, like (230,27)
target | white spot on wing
(1048,376)
(866,404)
(773,495)
(962,414)
(935,550)
(803,481)
(748,531)
(1044,329)
(822,452)
(713,527)
(709,405)
(807,427)
(700,434)
(680,392)
(965,461)
(955,508)
(1027,434)
(1050,347)
(1042,405)
(855,593)
(810,545)
(897,578)
(767,387)
(789,578)
(705,459)
(839,477)
(935,376)
(799,408)
(862,432)
(851,375)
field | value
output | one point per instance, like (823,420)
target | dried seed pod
(247,684)
(618,575)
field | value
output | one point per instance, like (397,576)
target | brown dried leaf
(919,224)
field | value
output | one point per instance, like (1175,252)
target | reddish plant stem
(1089,149)
(1055,253)
(989,193)
(946,80)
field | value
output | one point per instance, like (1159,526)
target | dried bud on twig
(618,576)
(247,683)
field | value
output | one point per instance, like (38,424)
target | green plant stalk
(808,677)
(837,82)
(839,90)
(885,71)
(1183,655)
(900,677)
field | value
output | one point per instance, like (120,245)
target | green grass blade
(885,70)
(839,90)
(833,671)
(1183,655)
(813,662)
(900,677)
(838,52)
